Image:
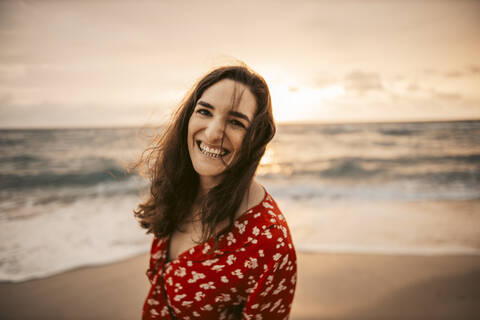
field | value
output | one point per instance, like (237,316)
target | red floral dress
(252,274)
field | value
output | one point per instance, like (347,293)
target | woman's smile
(211,151)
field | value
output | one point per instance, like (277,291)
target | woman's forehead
(228,94)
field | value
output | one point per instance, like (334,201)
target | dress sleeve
(272,296)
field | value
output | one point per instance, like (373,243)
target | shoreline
(330,286)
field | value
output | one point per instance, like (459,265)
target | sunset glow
(130,63)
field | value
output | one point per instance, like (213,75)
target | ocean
(66,200)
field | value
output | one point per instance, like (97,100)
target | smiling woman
(222,248)
(216,130)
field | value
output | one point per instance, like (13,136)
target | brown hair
(174,182)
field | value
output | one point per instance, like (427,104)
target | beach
(384,217)
(330,286)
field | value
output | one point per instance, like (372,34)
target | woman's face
(216,129)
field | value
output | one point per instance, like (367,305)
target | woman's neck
(206,184)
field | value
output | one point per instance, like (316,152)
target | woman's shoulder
(264,220)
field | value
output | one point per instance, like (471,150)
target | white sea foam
(412,228)
(92,231)
(87,232)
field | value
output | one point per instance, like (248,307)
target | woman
(222,248)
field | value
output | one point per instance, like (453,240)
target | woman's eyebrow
(231,112)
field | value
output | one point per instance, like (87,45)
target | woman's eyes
(237,123)
(204,112)
(233,122)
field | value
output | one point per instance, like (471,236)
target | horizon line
(279,123)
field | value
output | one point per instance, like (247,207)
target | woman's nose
(214,130)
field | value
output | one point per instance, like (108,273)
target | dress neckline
(240,218)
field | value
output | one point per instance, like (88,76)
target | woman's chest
(180,242)
(219,284)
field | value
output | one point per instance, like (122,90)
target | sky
(129,63)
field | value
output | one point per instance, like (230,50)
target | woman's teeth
(211,152)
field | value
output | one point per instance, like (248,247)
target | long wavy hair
(174,182)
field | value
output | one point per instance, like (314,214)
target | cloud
(324,79)
(474,70)
(451,96)
(471,70)
(413,87)
(454,74)
(362,82)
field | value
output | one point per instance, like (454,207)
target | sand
(330,286)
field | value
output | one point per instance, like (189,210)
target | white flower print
(209,262)
(267,205)
(152,302)
(250,290)
(224,297)
(276,304)
(218,267)
(284,261)
(238,273)
(231,238)
(254,306)
(157,255)
(196,276)
(251,263)
(196,314)
(255,231)
(266,291)
(186,303)
(192,250)
(224,279)
(179,297)
(180,272)
(207,307)
(280,287)
(164,311)
(267,234)
(189,263)
(269,279)
(256,215)
(261,253)
(154,312)
(207,285)
(265,306)
(206,248)
(199,295)
(170,281)
(178,287)
(231,258)
(240,226)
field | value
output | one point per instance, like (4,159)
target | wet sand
(330,286)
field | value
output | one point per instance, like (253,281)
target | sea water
(66,199)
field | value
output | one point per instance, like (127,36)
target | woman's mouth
(212,151)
